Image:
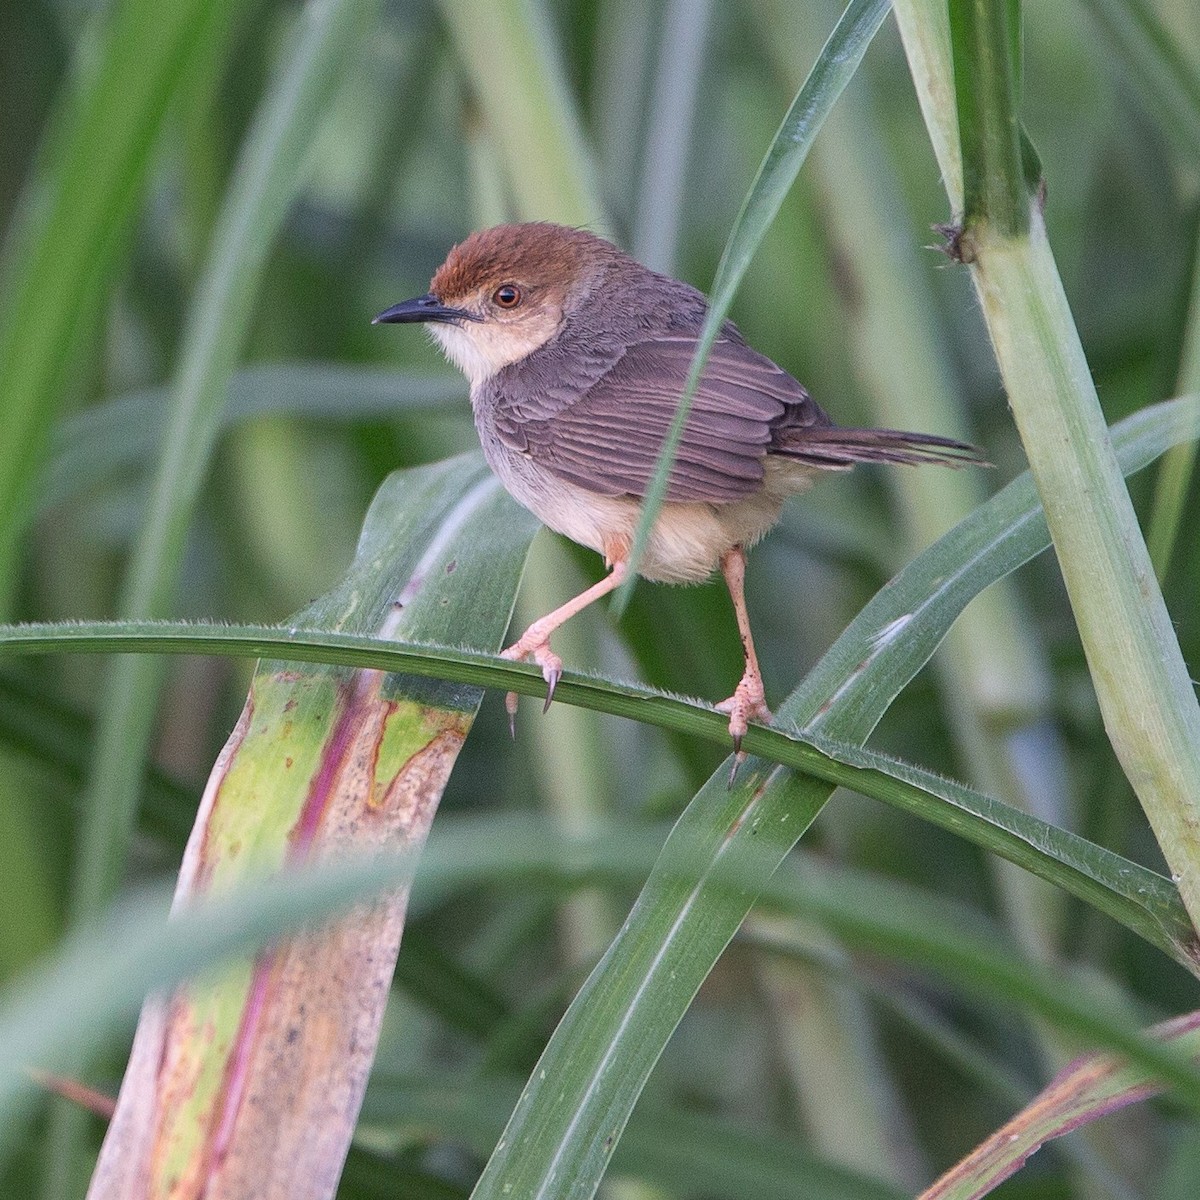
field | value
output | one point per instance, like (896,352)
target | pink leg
(748,702)
(535,641)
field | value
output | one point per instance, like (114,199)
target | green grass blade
(1140,899)
(869,913)
(686,1152)
(63,261)
(99,443)
(833,70)
(535,125)
(1167,80)
(260,194)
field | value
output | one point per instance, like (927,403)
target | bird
(577,357)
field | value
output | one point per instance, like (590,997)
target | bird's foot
(748,703)
(539,651)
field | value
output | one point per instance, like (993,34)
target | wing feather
(604,431)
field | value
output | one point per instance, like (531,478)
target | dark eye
(508,295)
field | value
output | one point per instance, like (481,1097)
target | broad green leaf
(326,762)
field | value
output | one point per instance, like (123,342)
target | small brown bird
(577,356)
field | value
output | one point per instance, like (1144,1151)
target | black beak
(422,308)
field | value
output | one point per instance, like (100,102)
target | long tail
(832,447)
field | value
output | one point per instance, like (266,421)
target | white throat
(466,353)
(481,348)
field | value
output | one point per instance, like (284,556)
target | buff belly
(687,541)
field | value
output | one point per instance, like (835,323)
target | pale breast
(687,541)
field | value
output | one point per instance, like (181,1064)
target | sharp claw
(737,745)
(510,705)
(552,675)
(738,759)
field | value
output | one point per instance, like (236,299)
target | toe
(745,705)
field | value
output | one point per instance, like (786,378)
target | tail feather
(831,447)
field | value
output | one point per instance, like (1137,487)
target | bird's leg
(535,641)
(748,702)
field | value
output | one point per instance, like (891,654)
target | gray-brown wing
(607,436)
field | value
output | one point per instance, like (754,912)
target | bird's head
(504,292)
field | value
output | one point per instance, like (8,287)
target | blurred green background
(663,109)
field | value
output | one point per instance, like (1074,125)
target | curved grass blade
(834,68)
(270,167)
(326,762)
(97,159)
(862,673)
(1142,900)
(95,445)
(881,916)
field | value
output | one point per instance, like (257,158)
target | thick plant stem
(1141,681)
